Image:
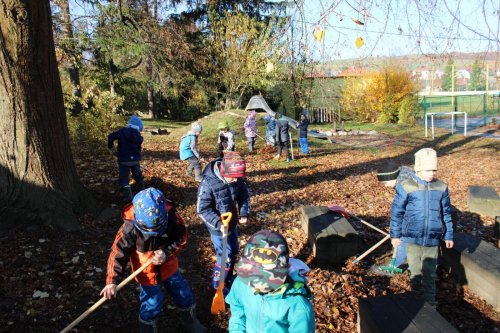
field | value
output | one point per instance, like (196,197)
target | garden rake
(104,299)
(391,268)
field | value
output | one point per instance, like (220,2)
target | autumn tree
(382,96)
(38,178)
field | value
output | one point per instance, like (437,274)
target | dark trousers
(283,146)
(124,169)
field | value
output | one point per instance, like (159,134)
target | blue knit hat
(136,121)
(150,211)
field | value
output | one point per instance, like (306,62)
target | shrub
(97,119)
(378,96)
(408,110)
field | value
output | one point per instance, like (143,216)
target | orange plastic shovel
(218,304)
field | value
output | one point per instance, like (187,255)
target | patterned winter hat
(388,171)
(150,211)
(233,165)
(137,122)
(264,263)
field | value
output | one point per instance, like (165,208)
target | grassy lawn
(163,123)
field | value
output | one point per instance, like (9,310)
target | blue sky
(400,27)
(394,27)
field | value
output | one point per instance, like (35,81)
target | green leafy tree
(245,49)
(447,76)
(477,79)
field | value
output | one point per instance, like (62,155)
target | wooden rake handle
(104,299)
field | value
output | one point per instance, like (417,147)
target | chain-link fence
(481,109)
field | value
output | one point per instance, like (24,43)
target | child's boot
(147,326)
(190,322)
(127,194)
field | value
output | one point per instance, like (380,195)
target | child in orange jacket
(152,229)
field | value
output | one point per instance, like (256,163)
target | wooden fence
(322,115)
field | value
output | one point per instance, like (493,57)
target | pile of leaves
(50,276)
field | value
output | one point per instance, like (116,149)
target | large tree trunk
(38,179)
(74,58)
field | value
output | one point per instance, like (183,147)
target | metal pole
(465,124)
(487,76)
(484,109)
(452,86)
(452,122)
(432,125)
(424,103)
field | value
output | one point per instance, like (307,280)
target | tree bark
(73,62)
(38,179)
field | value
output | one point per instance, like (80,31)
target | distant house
(463,74)
(425,73)
(422,73)
(353,71)
(438,74)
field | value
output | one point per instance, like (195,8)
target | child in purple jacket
(251,130)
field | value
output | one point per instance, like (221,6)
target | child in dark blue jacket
(129,155)
(421,212)
(222,190)
(303,124)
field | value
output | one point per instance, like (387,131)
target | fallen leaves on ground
(50,276)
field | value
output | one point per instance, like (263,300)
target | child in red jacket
(152,229)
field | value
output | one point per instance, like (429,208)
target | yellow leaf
(319,33)
(359,42)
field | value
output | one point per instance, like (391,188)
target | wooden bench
(476,264)
(400,313)
(331,236)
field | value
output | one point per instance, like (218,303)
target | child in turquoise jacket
(270,293)
(188,150)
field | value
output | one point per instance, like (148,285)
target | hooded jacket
(129,144)
(250,126)
(282,130)
(216,196)
(287,310)
(303,124)
(421,212)
(188,146)
(131,244)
